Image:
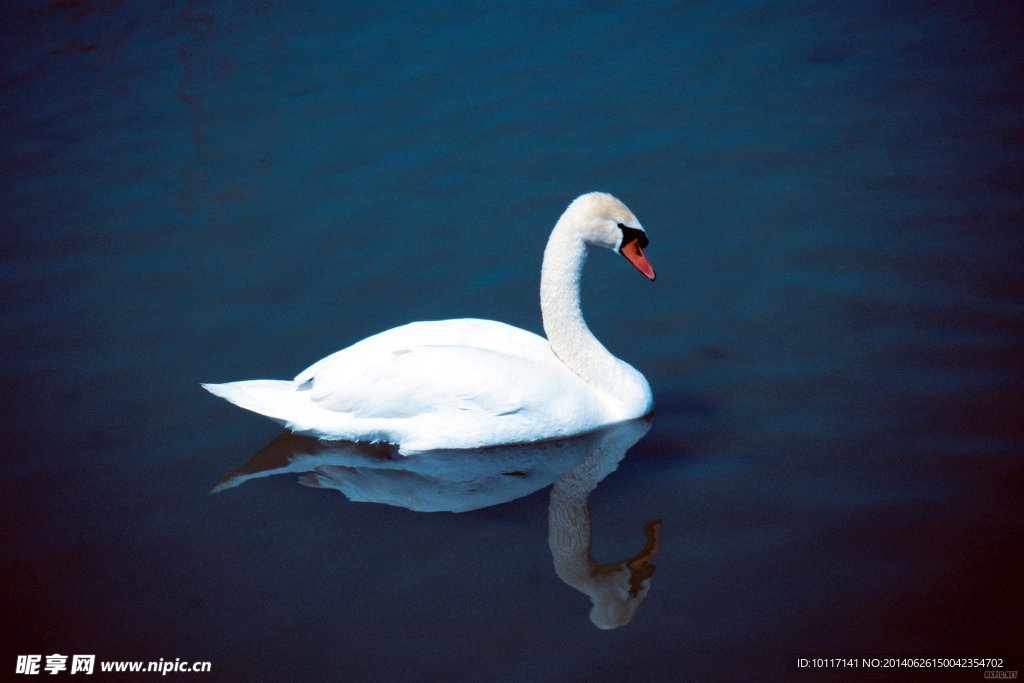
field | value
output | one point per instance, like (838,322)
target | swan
(470,383)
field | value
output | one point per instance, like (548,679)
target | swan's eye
(630,234)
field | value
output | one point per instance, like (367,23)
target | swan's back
(472,332)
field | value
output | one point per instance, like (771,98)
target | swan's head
(604,221)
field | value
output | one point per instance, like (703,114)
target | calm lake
(213,191)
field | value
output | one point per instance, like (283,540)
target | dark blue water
(215,191)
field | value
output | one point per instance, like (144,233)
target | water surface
(216,191)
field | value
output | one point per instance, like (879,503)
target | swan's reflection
(616,589)
(462,480)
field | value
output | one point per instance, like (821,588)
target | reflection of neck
(615,589)
(569,527)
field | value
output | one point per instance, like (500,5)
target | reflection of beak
(641,567)
(635,255)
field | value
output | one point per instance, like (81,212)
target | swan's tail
(273,398)
(285,402)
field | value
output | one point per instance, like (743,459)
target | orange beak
(635,255)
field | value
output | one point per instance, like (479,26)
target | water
(207,192)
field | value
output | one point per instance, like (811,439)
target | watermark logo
(34,665)
(55,664)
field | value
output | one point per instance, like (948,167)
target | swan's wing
(470,332)
(414,380)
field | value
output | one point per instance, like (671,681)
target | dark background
(215,191)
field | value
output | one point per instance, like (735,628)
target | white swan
(469,383)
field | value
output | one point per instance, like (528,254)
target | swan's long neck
(567,332)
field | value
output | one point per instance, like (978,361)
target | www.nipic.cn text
(30,665)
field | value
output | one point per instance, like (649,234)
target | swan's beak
(635,255)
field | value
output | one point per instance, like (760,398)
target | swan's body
(469,383)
